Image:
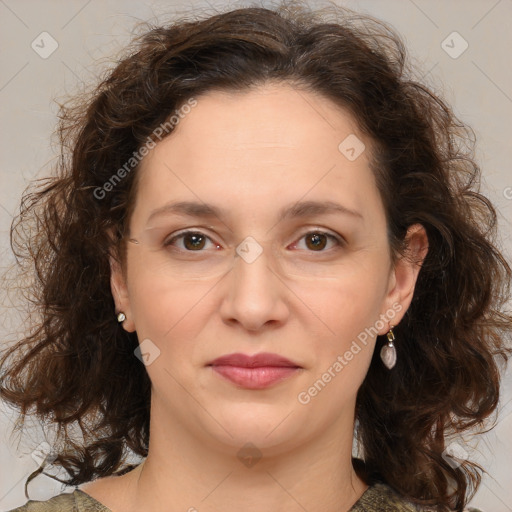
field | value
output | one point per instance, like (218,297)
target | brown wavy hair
(76,367)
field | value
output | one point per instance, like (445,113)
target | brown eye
(316,241)
(192,241)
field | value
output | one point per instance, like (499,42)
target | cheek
(349,310)
(351,302)
(163,308)
(332,311)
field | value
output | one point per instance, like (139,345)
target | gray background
(477,84)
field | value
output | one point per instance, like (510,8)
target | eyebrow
(297,210)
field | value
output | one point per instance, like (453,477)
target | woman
(266,239)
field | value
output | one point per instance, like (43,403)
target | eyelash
(339,241)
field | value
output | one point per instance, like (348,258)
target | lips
(255,361)
(254,372)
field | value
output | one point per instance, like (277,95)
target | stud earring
(121,317)
(388,351)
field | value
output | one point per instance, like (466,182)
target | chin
(269,428)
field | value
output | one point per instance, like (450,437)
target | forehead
(241,149)
(276,115)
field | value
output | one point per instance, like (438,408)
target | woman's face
(313,283)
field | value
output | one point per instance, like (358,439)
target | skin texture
(252,154)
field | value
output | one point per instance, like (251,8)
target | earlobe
(120,294)
(406,271)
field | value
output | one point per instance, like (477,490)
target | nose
(254,295)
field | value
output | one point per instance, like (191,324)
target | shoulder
(380,497)
(76,501)
(64,502)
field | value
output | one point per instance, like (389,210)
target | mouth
(254,372)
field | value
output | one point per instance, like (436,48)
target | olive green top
(377,498)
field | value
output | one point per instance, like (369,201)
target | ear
(404,275)
(120,293)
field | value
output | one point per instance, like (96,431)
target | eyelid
(340,241)
(317,230)
(324,231)
(180,234)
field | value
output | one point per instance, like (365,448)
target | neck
(197,475)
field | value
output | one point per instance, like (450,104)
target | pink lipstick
(254,372)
